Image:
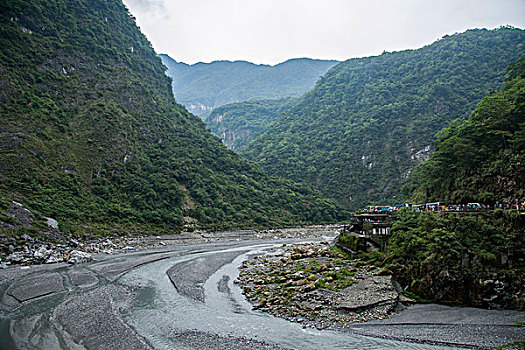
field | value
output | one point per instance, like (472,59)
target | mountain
(369,121)
(456,258)
(202,87)
(91,134)
(481,159)
(238,124)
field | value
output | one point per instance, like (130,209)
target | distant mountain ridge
(204,86)
(357,135)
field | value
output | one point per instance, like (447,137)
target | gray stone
(52,223)
(74,242)
(22,215)
(77,257)
(82,278)
(53,259)
(16,257)
(34,287)
(42,253)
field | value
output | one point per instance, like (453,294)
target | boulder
(77,257)
(52,223)
(42,253)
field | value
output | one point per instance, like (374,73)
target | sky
(272,31)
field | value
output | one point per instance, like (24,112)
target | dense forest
(357,135)
(91,134)
(238,124)
(476,258)
(482,158)
(202,87)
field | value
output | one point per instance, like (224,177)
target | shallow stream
(163,316)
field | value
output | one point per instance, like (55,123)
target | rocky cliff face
(238,124)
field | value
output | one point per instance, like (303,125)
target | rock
(74,242)
(26,237)
(22,215)
(52,223)
(309,287)
(3,265)
(52,260)
(77,257)
(298,275)
(16,257)
(42,253)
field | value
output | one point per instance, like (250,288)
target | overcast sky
(272,31)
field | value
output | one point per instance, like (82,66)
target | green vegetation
(204,86)
(481,159)
(472,259)
(91,134)
(238,124)
(286,278)
(369,121)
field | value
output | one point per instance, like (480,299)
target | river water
(161,314)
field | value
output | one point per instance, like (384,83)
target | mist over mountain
(202,87)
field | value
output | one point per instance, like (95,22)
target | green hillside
(369,121)
(238,124)
(456,258)
(204,86)
(483,158)
(91,134)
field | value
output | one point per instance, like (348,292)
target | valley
(147,203)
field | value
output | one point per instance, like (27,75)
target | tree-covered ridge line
(238,124)
(357,135)
(202,87)
(91,134)
(481,158)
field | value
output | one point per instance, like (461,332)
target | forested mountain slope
(368,121)
(456,258)
(238,124)
(204,86)
(482,158)
(92,136)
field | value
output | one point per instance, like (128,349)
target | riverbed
(128,301)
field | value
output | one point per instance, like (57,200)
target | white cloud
(271,31)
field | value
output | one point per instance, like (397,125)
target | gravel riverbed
(26,250)
(43,306)
(315,285)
